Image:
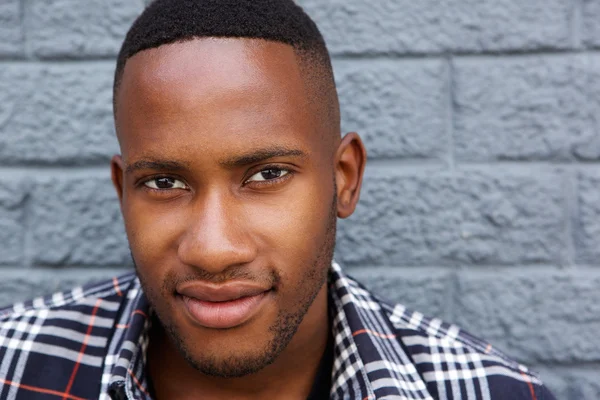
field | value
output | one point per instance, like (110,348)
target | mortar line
(31,59)
(51,170)
(88,270)
(484,269)
(440,55)
(571,194)
(28,240)
(452,292)
(582,365)
(92,268)
(532,163)
(450,112)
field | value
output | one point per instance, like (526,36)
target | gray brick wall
(482,198)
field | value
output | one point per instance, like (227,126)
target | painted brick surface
(51,113)
(481,200)
(79,29)
(537,316)
(523,108)
(77,222)
(398,107)
(426,26)
(572,383)
(591,28)
(13,195)
(493,217)
(586,221)
(590,149)
(11,30)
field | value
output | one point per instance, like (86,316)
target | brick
(10,29)
(78,29)
(77,221)
(536,316)
(56,113)
(571,383)
(424,290)
(523,108)
(399,108)
(591,16)
(407,26)
(586,223)
(22,285)
(489,217)
(13,195)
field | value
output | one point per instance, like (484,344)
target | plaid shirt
(91,343)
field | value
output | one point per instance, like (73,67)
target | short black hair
(171,21)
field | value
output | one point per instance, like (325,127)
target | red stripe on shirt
(82,350)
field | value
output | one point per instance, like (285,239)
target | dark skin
(228,172)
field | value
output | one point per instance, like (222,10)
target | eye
(268,174)
(165,183)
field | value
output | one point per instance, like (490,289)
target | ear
(350,160)
(117,166)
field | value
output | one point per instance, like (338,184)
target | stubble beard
(282,330)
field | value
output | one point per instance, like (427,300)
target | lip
(222,306)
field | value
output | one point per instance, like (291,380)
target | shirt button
(117,391)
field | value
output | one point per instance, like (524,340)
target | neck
(293,372)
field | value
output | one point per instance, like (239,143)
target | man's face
(227,190)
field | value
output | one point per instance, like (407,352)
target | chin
(232,365)
(231,353)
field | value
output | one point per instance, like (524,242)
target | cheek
(151,230)
(293,227)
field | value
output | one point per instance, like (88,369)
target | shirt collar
(127,361)
(367,347)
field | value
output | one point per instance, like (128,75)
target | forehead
(213,94)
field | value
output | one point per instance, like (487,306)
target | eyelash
(270,182)
(143,186)
(265,183)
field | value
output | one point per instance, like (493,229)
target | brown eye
(165,183)
(268,174)
(271,173)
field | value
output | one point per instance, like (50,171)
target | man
(231,177)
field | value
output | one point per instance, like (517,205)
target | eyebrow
(261,155)
(233,162)
(155,165)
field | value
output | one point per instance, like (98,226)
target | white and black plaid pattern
(90,343)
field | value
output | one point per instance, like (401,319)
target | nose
(216,237)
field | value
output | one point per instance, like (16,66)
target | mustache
(172,279)
(230,274)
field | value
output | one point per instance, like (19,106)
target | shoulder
(42,341)
(455,364)
(76,298)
